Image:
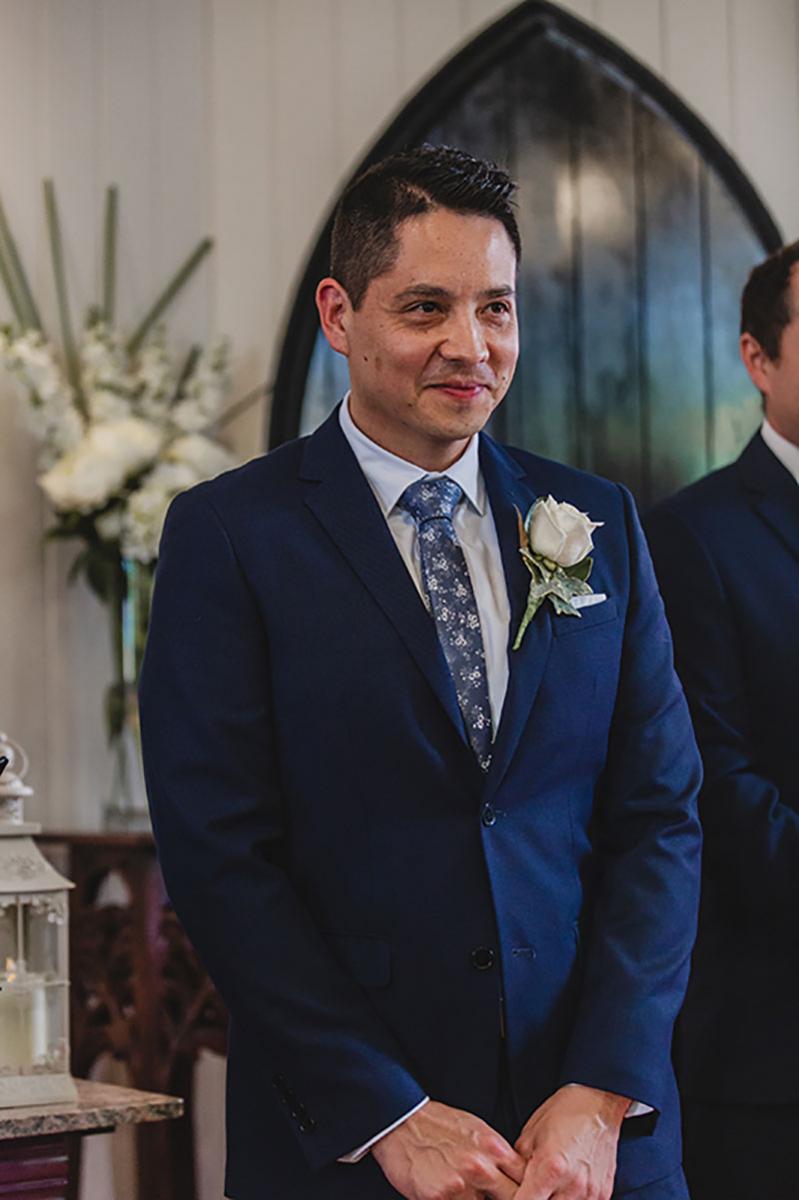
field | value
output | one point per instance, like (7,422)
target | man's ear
(756,361)
(334,307)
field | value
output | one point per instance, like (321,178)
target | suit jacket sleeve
(751,834)
(213,781)
(646,832)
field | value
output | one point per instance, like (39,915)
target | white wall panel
(637,24)
(23,663)
(368,74)
(241,164)
(427,35)
(696,59)
(765,102)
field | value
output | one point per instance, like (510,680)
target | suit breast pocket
(590,616)
(366,959)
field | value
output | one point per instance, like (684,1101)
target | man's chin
(460,418)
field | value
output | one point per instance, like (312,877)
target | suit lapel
(773,491)
(344,504)
(506,487)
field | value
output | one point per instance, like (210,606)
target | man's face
(778,380)
(433,347)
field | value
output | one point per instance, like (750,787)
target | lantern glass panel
(34,1025)
(43,918)
(9,951)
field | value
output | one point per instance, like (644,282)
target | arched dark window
(638,231)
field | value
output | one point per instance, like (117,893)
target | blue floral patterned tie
(431,503)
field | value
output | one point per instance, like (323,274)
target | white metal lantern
(34,951)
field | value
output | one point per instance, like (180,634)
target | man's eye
(501,305)
(427,305)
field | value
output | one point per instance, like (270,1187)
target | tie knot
(428,498)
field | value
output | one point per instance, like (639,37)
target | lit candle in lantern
(23,1017)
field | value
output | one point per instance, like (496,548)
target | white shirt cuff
(638,1109)
(356,1155)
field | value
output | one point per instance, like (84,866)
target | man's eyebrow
(431,291)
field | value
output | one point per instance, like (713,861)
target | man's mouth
(462,389)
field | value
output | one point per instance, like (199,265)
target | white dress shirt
(787,452)
(389,476)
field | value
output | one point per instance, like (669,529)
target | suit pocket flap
(591,615)
(366,959)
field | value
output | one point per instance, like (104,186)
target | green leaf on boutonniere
(580,570)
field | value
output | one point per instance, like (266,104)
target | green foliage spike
(178,281)
(70,349)
(110,252)
(15,279)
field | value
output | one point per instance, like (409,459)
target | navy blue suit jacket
(337,856)
(726,551)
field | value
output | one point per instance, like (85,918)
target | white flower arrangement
(122,426)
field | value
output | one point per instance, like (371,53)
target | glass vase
(129,611)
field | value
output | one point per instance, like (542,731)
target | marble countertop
(99,1106)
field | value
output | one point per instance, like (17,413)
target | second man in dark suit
(726,551)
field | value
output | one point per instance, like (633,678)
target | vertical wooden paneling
(735,411)
(366,49)
(765,88)
(305,167)
(181,162)
(672,307)
(427,34)
(23,662)
(540,411)
(240,147)
(696,59)
(77,640)
(128,121)
(636,25)
(476,14)
(610,419)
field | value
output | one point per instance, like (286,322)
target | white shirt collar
(781,448)
(389,475)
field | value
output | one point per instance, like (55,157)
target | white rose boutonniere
(555,542)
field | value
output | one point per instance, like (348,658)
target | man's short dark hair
(365,243)
(766,299)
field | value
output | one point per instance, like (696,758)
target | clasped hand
(566,1151)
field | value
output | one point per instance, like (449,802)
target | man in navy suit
(727,556)
(446,887)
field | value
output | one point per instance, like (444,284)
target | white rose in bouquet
(186,461)
(93,472)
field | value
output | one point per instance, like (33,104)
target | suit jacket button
(482,958)
(488,816)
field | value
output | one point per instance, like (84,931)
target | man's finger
(541,1182)
(502,1190)
(509,1161)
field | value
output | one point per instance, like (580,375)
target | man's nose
(465,340)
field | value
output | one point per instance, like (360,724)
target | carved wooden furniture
(40,1144)
(138,990)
